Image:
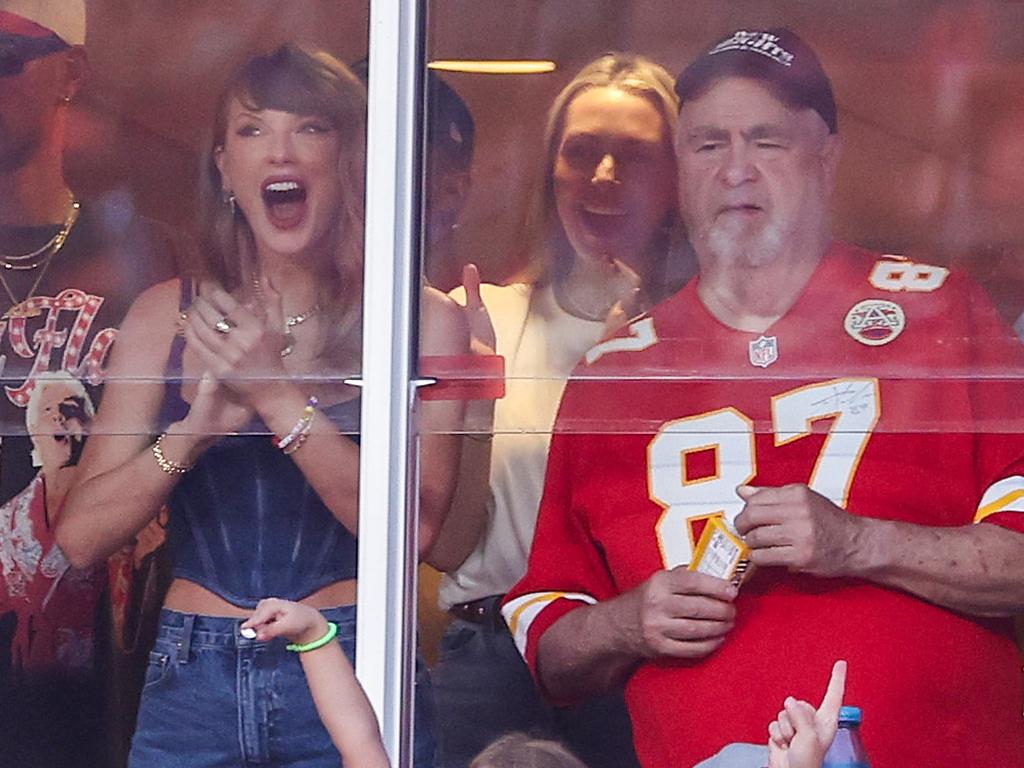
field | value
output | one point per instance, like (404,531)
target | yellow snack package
(720,552)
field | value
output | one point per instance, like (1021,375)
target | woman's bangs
(289,84)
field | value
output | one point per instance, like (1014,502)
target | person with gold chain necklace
(67,276)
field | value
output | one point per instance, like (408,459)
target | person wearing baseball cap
(42,64)
(451,133)
(68,271)
(777,59)
(843,420)
(450,141)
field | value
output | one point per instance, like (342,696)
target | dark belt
(486,611)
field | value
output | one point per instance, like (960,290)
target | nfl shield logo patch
(764,351)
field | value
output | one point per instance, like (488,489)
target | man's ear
(831,152)
(76,71)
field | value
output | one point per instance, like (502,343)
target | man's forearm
(678,613)
(976,569)
(588,651)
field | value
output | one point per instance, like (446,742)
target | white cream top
(541,344)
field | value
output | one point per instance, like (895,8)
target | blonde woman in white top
(606,245)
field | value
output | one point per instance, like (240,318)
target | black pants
(52,722)
(484,690)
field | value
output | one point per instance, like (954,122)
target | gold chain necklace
(14,262)
(290,321)
(55,245)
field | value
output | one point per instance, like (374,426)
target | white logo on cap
(764,43)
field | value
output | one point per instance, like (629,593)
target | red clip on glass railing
(464,377)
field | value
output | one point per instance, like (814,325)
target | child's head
(517,750)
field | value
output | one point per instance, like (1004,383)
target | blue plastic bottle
(847,751)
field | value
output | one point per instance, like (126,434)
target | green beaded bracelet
(332,631)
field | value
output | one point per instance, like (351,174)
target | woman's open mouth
(285,202)
(603,220)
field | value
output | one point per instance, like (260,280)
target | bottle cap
(850,715)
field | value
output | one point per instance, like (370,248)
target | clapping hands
(239,344)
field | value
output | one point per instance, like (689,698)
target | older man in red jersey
(839,410)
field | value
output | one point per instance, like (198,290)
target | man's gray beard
(744,248)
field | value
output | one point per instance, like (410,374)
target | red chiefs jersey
(886,388)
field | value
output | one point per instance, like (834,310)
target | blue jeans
(483,690)
(213,698)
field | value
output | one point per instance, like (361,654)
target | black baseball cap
(450,125)
(31,29)
(777,57)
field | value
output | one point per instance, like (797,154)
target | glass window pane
(181,265)
(782,308)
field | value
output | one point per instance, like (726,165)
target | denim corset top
(245,523)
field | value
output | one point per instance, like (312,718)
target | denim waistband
(193,630)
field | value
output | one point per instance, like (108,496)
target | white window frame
(385,631)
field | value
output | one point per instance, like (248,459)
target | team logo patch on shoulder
(764,351)
(875,321)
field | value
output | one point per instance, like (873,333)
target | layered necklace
(290,321)
(39,259)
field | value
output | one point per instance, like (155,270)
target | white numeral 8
(730,435)
(907,276)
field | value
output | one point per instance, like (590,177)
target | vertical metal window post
(385,635)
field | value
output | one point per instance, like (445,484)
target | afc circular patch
(875,321)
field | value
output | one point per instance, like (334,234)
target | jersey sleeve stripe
(1006,495)
(521,612)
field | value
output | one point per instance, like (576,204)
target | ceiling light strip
(494,66)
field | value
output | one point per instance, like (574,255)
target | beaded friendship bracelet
(168,466)
(297,436)
(296,444)
(330,634)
